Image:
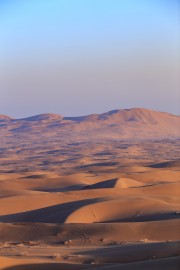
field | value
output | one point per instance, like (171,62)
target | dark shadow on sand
(52,214)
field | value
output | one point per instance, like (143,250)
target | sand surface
(84,193)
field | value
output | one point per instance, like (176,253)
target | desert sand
(90,192)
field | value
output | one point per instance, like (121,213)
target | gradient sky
(76,57)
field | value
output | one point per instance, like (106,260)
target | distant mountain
(45,116)
(136,123)
(4,117)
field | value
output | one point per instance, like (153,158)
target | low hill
(139,124)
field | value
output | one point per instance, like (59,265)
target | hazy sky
(76,57)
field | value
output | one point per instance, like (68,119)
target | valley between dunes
(91,192)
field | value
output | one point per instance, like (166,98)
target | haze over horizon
(82,57)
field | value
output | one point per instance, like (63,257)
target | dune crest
(116,183)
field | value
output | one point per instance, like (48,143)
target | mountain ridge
(53,116)
(135,123)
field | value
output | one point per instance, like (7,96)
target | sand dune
(116,183)
(89,245)
(99,234)
(168,164)
(123,209)
(100,191)
(37,264)
(167,264)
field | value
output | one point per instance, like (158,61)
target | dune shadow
(47,266)
(52,214)
(99,164)
(167,164)
(146,218)
(111,183)
(62,189)
(133,252)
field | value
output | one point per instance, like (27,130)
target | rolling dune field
(90,192)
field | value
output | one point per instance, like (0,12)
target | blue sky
(76,57)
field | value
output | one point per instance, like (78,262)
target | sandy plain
(82,194)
